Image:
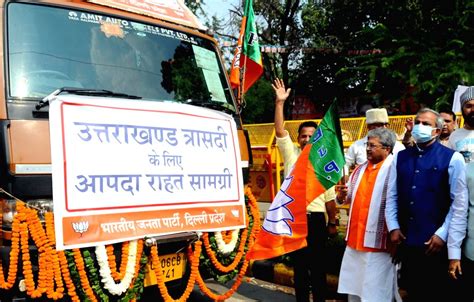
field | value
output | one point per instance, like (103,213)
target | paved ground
(251,290)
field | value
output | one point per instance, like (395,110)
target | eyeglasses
(373,146)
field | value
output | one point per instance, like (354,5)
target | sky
(219,7)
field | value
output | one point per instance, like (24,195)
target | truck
(118,49)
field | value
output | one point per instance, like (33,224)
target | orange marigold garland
(117,275)
(136,287)
(140,243)
(57,263)
(63,264)
(230,292)
(14,252)
(81,269)
(192,278)
(252,203)
(227,236)
(212,256)
(49,268)
(31,289)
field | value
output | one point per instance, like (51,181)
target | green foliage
(206,267)
(194,5)
(93,274)
(135,292)
(75,277)
(259,103)
(372,51)
(280,25)
(95,279)
(423,44)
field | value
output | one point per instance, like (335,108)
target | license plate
(171,265)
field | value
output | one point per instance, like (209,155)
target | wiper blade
(84,91)
(216,105)
(99,92)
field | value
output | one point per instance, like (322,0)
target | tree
(259,103)
(194,5)
(280,26)
(423,48)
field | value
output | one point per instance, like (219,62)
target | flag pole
(242,85)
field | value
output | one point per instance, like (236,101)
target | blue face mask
(421,133)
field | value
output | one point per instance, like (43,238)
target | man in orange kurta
(367,272)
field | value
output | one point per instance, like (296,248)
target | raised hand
(409,124)
(281,93)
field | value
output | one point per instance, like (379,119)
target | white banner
(118,160)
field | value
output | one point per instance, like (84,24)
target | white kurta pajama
(371,276)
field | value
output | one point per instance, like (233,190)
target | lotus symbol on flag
(276,220)
(80,227)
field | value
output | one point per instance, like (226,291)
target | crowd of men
(411,217)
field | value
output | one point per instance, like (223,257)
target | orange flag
(319,167)
(247,55)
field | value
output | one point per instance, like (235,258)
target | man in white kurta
(367,272)
(374,118)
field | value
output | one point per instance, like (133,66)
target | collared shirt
(357,153)
(444,142)
(290,152)
(455,220)
(463,140)
(360,210)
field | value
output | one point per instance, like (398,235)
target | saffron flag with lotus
(318,168)
(247,55)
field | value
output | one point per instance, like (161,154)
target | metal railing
(268,164)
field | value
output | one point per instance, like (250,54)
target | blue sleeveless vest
(423,191)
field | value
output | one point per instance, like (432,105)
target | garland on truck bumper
(90,274)
(226,241)
(217,265)
(194,259)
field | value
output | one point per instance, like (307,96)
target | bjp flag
(319,167)
(247,56)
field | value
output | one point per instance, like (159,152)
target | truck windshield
(50,48)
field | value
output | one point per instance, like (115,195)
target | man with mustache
(309,262)
(367,272)
(425,209)
(462,140)
(374,118)
(449,125)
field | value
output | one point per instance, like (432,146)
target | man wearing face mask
(449,126)
(426,197)
(462,140)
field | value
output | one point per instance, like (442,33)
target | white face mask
(422,133)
